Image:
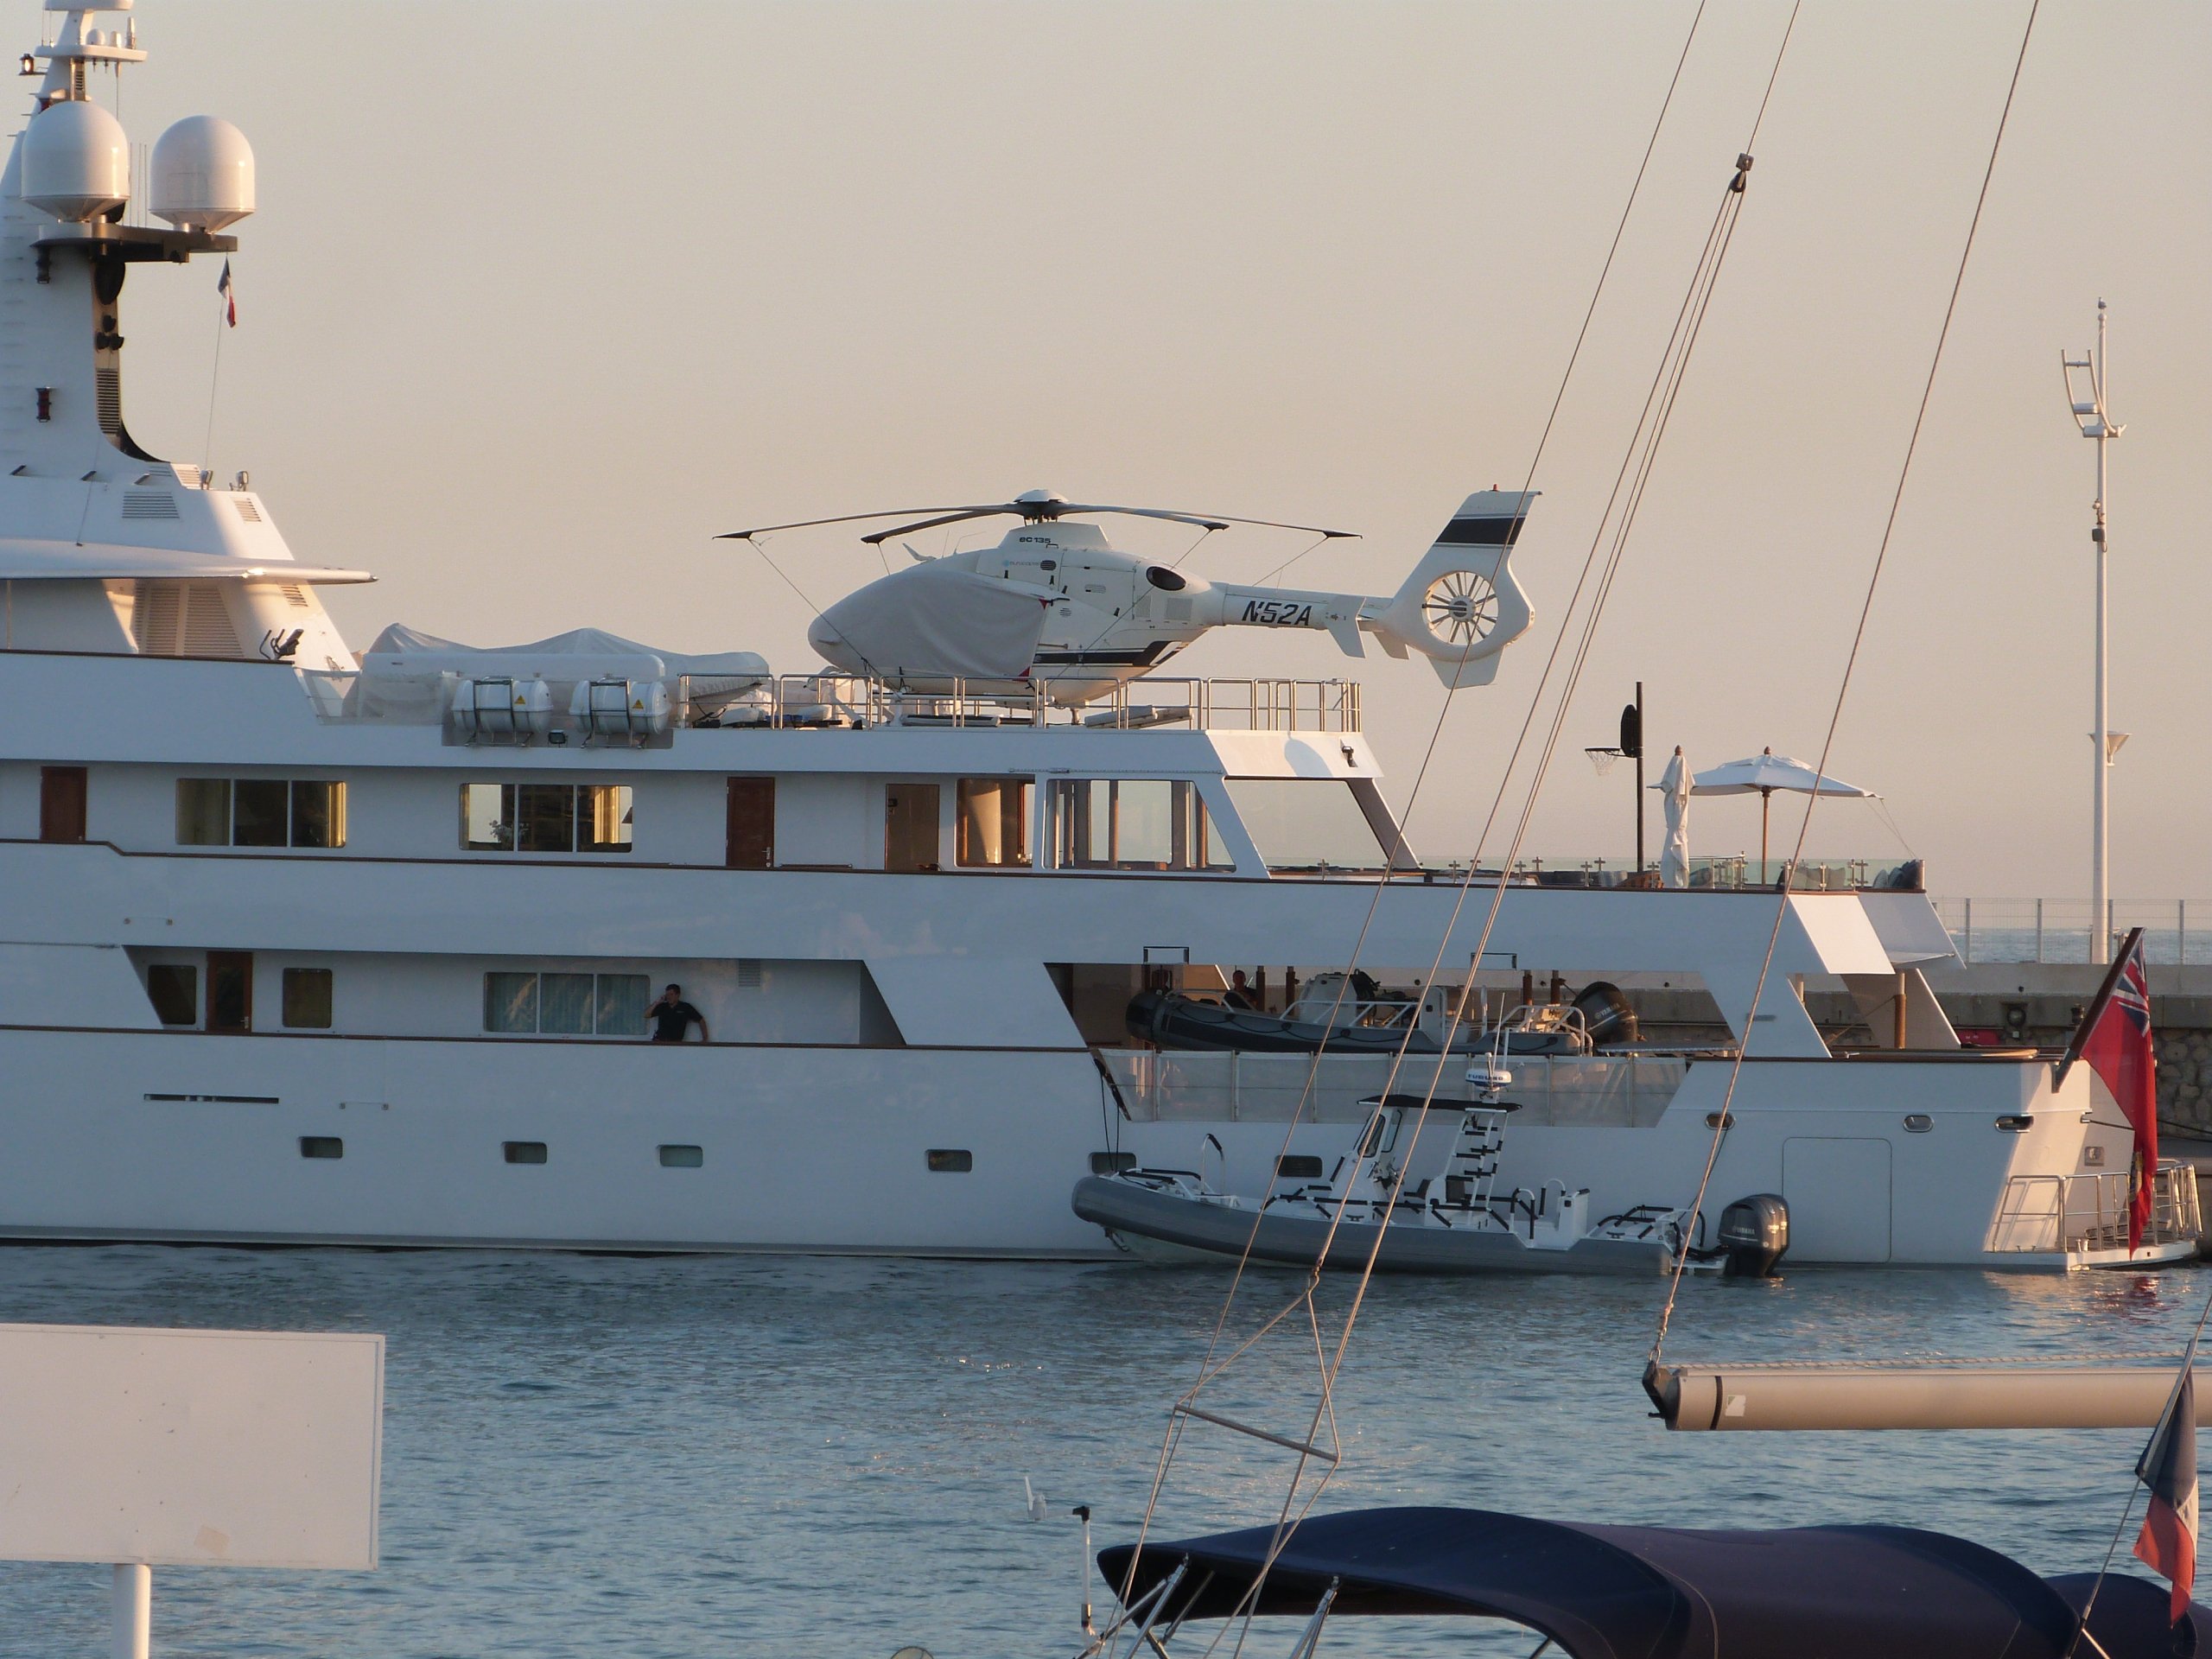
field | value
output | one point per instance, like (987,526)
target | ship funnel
(76,162)
(203,174)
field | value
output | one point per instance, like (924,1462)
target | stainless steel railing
(2051,1213)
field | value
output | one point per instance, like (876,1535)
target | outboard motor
(1754,1235)
(1606,1014)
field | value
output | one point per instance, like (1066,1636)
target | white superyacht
(302,945)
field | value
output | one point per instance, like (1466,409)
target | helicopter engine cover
(934,621)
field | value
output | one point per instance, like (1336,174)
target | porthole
(524,1152)
(682,1158)
(1918,1123)
(321,1146)
(950,1160)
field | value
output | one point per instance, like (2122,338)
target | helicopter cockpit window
(1306,823)
(1166,581)
(1133,823)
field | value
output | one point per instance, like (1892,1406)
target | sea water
(630,1457)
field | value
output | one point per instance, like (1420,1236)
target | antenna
(2085,396)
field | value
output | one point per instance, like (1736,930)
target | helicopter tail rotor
(1462,605)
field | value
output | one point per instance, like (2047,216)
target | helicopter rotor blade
(842,518)
(954,515)
(1213,521)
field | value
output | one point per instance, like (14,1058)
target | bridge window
(1133,823)
(1306,823)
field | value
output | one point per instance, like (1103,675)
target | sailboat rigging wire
(1721,1119)
(1327,1405)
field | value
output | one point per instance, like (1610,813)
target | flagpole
(225,316)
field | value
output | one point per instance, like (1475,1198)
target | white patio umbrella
(1674,787)
(1764,773)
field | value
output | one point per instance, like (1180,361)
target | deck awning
(1661,1593)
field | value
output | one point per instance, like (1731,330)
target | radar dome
(203,174)
(76,162)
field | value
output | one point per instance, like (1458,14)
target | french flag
(2168,1467)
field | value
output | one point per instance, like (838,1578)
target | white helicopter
(1055,602)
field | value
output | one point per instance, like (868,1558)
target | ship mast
(2085,392)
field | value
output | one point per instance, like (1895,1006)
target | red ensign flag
(2115,1039)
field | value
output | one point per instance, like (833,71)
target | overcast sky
(541,296)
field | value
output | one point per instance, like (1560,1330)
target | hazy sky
(541,296)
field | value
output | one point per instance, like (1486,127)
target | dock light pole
(2085,394)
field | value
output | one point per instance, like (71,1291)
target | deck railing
(1599,1090)
(2047,1214)
(2060,930)
(850,701)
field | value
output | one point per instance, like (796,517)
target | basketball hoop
(1604,759)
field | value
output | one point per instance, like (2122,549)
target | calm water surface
(631,1458)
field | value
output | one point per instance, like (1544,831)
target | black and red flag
(2115,1039)
(2168,1467)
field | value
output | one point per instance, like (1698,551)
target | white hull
(190,1137)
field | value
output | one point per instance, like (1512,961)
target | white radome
(203,174)
(76,162)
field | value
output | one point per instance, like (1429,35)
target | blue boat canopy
(1666,1592)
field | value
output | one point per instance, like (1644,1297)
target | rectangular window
(1133,824)
(1298,1166)
(511,1002)
(952,1160)
(524,1152)
(622,999)
(307,998)
(203,811)
(545,818)
(321,1146)
(61,802)
(1306,823)
(565,1005)
(992,827)
(318,813)
(1112,1163)
(603,817)
(260,812)
(173,989)
(682,1158)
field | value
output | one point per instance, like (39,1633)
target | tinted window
(173,989)
(307,998)
(261,812)
(203,811)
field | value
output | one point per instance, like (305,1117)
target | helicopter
(1056,603)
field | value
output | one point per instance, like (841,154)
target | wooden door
(752,824)
(61,803)
(912,838)
(230,991)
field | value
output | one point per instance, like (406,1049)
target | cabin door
(752,824)
(912,838)
(61,803)
(230,991)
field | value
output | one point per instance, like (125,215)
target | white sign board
(189,1448)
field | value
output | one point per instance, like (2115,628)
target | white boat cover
(934,621)
(402,652)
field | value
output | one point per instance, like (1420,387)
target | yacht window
(621,1005)
(524,1152)
(203,811)
(566,1005)
(992,826)
(307,998)
(1306,824)
(1133,824)
(173,989)
(545,818)
(260,812)
(682,1158)
(910,832)
(321,1146)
